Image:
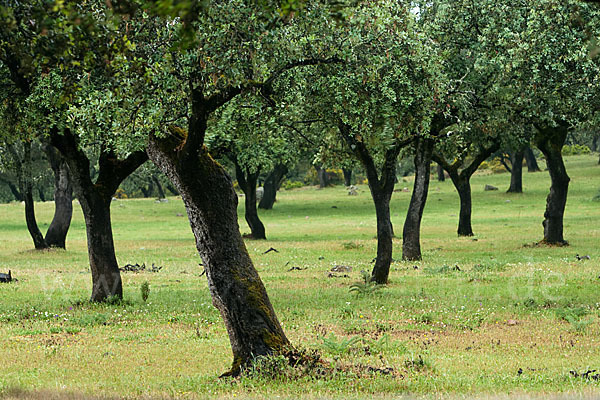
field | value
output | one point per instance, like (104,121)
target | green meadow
(489,315)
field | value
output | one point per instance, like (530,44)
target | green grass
(442,331)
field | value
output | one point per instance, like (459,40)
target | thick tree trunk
(441,177)
(63,199)
(347,176)
(550,141)
(411,239)
(532,165)
(247,181)
(106,278)
(95,199)
(235,287)
(272,184)
(463,186)
(516,173)
(385,234)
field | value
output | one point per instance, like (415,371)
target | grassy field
(484,316)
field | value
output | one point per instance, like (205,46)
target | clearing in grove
(491,314)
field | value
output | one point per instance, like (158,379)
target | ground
(492,315)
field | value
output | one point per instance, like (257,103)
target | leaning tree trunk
(550,141)
(271,186)
(235,287)
(63,199)
(516,173)
(441,177)
(532,165)
(347,176)
(411,240)
(247,181)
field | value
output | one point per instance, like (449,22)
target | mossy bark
(411,234)
(550,141)
(236,289)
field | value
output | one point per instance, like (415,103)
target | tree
(237,50)
(379,99)
(32,42)
(555,85)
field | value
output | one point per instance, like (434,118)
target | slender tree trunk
(40,191)
(13,188)
(247,181)
(24,176)
(95,199)
(550,141)
(382,187)
(159,188)
(532,165)
(516,173)
(411,236)
(63,199)
(235,287)
(441,177)
(347,176)
(272,184)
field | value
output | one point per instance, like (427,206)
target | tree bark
(461,181)
(24,177)
(550,141)
(272,184)
(63,199)
(13,188)
(235,287)
(323,178)
(516,173)
(95,200)
(381,186)
(411,239)
(441,177)
(463,186)
(347,176)
(532,165)
(159,188)
(247,182)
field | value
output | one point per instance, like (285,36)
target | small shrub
(575,149)
(145,290)
(352,246)
(343,346)
(289,185)
(366,287)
